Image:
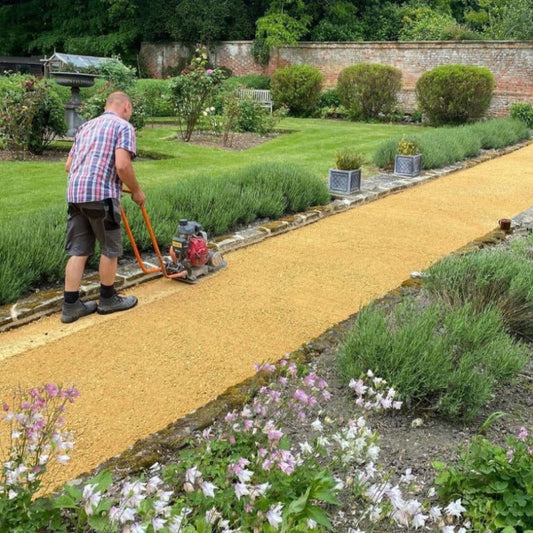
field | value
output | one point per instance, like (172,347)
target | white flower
(92,498)
(317,425)
(455,508)
(407,477)
(11,494)
(273,515)
(241,490)
(158,523)
(192,474)
(208,489)
(306,448)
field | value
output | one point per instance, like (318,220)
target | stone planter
(407,165)
(344,181)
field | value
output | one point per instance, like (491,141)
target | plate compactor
(189,255)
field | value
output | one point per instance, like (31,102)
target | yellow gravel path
(185,344)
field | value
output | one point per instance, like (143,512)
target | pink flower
(209,71)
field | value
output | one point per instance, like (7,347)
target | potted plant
(346,176)
(408,159)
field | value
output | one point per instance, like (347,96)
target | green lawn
(29,186)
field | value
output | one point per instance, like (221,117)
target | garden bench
(260,95)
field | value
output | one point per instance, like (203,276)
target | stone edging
(46,302)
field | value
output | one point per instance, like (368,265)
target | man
(98,164)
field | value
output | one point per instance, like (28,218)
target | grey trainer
(71,312)
(116,303)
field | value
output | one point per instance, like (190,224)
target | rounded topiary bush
(369,90)
(454,94)
(298,87)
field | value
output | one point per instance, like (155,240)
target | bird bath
(74,80)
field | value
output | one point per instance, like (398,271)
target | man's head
(119,103)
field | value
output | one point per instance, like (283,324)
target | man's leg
(74,272)
(110,301)
(73,307)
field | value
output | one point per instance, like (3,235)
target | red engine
(189,252)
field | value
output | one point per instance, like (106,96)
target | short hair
(117,98)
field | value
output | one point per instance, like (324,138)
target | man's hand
(138,197)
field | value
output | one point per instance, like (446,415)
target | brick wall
(511,62)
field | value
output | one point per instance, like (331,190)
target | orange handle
(161,267)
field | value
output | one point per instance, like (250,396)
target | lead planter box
(344,181)
(407,165)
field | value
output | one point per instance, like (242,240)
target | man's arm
(127,175)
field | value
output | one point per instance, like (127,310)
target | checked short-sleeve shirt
(92,176)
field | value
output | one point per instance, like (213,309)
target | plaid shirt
(92,175)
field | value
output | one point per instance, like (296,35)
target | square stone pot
(344,181)
(407,165)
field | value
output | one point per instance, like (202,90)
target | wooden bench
(260,95)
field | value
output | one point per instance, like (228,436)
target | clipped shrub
(297,87)
(454,94)
(369,90)
(444,360)
(522,111)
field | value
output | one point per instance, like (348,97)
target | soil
(183,346)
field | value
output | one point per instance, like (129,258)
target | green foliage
(156,97)
(31,113)
(445,146)
(117,77)
(349,159)
(407,147)
(500,132)
(494,483)
(447,360)
(491,277)
(329,105)
(249,81)
(423,23)
(523,111)
(194,91)
(209,21)
(33,265)
(369,90)
(454,94)
(339,23)
(298,87)
(219,203)
(254,117)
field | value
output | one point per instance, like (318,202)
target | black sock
(71,297)
(106,291)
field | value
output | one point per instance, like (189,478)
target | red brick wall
(511,62)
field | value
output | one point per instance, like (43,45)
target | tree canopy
(117,27)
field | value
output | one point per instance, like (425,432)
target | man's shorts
(94,221)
